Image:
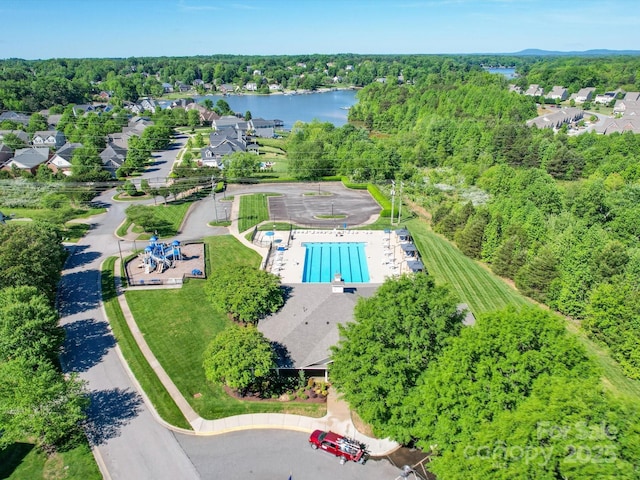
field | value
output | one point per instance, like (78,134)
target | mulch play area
(148,270)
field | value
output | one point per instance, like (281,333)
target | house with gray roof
(113,156)
(628,104)
(222,143)
(49,138)
(555,120)
(28,159)
(534,90)
(21,134)
(558,93)
(225,121)
(61,160)
(585,95)
(262,128)
(632,96)
(15,117)
(626,123)
(5,154)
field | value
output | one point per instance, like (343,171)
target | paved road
(274,455)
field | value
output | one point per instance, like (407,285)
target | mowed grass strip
(253,210)
(475,286)
(158,395)
(178,324)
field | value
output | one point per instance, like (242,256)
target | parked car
(347,449)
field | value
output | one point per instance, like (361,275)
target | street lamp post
(215,206)
(226,218)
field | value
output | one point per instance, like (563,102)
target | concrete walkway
(337,418)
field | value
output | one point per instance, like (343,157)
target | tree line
(37,401)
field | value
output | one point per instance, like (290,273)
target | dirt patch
(361,425)
(414,458)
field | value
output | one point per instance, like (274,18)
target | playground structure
(157,256)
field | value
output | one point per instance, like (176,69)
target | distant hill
(585,53)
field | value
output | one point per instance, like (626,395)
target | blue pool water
(323,260)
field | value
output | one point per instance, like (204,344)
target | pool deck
(385,257)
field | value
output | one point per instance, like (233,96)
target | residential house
(183,87)
(61,160)
(206,116)
(181,103)
(15,117)
(534,91)
(21,134)
(28,159)
(630,103)
(222,145)
(251,86)
(198,82)
(53,120)
(113,156)
(167,87)
(558,93)
(149,105)
(262,128)
(585,95)
(605,98)
(5,154)
(275,87)
(515,88)
(80,110)
(49,138)
(225,121)
(227,88)
(257,73)
(557,119)
(626,123)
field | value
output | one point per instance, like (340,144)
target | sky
(38,29)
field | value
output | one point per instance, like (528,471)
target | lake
(506,71)
(326,106)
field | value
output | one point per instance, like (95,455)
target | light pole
(120,250)
(400,202)
(226,218)
(393,198)
(215,207)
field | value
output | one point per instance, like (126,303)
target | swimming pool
(322,260)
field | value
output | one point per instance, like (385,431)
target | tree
(193,119)
(12,141)
(246,293)
(239,357)
(37,401)
(143,216)
(397,333)
(37,122)
(247,116)
(534,279)
(31,254)
(488,369)
(240,164)
(28,325)
(567,428)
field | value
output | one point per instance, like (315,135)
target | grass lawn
(475,286)
(178,325)
(160,398)
(23,461)
(75,231)
(253,210)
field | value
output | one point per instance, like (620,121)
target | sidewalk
(337,419)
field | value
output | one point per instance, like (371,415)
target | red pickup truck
(346,449)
